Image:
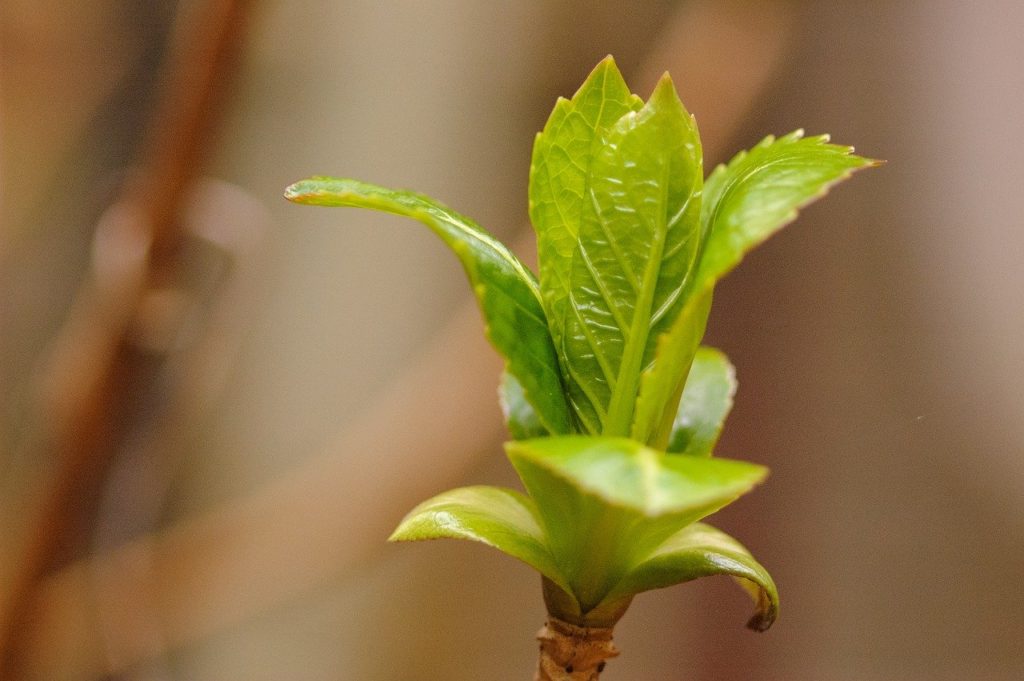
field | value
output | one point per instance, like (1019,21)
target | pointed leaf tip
(559,198)
(300,192)
(744,202)
(636,247)
(665,92)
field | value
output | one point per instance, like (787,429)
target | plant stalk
(572,653)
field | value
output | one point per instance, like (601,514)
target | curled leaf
(755,195)
(501,518)
(700,550)
(505,289)
(762,190)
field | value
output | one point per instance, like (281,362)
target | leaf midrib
(620,407)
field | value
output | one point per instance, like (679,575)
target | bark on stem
(572,653)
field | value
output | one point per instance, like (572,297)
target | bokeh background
(303,377)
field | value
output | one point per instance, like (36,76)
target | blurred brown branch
(105,361)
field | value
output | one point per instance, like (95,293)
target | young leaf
(559,193)
(745,202)
(706,401)
(635,254)
(605,503)
(521,418)
(761,191)
(661,385)
(506,290)
(502,518)
(700,550)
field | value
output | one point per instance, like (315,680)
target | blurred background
(215,405)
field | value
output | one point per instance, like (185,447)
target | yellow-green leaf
(501,518)
(700,550)
(636,251)
(520,416)
(706,401)
(744,203)
(604,503)
(506,290)
(559,193)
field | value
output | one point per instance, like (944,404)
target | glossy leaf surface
(661,385)
(502,518)
(706,401)
(700,550)
(631,240)
(744,203)
(604,503)
(559,192)
(520,416)
(635,254)
(506,290)
(761,191)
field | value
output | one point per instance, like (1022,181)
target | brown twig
(572,653)
(99,371)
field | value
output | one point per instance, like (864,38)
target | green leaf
(560,173)
(700,550)
(706,401)
(605,503)
(661,385)
(636,252)
(744,203)
(501,518)
(761,191)
(505,289)
(521,418)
